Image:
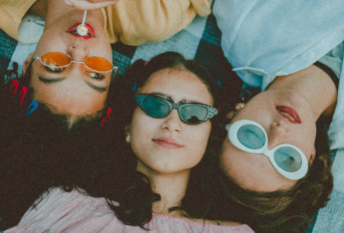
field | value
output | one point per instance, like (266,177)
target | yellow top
(134,22)
(11,14)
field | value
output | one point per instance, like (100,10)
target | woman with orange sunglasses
(78,90)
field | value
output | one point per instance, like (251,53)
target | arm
(11,14)
(89,4)
(135,22)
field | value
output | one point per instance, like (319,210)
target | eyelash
(95,76)
(99,76)
(53,70)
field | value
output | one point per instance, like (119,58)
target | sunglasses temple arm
(228,126)
(116,71)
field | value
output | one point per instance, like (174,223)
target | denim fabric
(265,39)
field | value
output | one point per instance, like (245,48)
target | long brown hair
(119,181)
(280,211)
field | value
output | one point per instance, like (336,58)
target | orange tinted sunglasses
(61,60)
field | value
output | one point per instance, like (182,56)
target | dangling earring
(243,105)
(127,139)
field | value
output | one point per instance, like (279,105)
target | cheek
(50,41)
(232,159)
(198,138)
(104,50)
(303,137)
(140,130)
(225,155)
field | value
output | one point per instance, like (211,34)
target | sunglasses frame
(211,111)
(80,62)
(232,135)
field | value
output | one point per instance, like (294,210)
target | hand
(89,4)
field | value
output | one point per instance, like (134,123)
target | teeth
(284,113)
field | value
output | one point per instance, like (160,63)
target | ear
(27,62)
(127,133)
(311,159)
(237,109)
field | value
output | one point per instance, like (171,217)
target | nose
(172,122)
(279,131)
(78,51)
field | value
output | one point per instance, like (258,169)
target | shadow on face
(168,145)
(74,90)
(254,171)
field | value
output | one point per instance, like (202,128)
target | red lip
(291,112)
(73,31)
(168,143)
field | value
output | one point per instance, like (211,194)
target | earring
(127,139)
(239,106)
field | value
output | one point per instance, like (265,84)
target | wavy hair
(24,141)
(36,151)
(128,191)
(280,211)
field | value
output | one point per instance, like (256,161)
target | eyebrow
(49,80)
(99,89)
(56,80)
(166,96)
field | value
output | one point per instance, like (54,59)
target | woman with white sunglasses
(293,51)
(275,163)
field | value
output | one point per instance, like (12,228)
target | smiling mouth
(289,114)
(167,143)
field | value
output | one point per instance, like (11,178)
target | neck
(170,186)
(315,85)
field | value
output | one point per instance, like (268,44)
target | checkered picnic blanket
(201,41)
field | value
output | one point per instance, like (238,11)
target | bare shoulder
(221,223)
(213,222)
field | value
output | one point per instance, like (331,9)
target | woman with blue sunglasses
(275,162)
(159,172)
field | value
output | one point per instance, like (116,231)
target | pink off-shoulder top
(61,211)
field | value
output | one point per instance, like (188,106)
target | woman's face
(168,145)
(74,91)
(254,171)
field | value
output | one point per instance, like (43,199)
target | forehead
(179,84)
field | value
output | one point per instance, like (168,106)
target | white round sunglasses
(251,137)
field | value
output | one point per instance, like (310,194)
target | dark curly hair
(23,142)
(36,151)
(119,181)
(280,211)
(41,151)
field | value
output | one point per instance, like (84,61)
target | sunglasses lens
(288,159)
(56,59)
(193,114)
(251,136)
(98,64)
(155,107)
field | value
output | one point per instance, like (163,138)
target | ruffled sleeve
(59,210)
(74,212)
